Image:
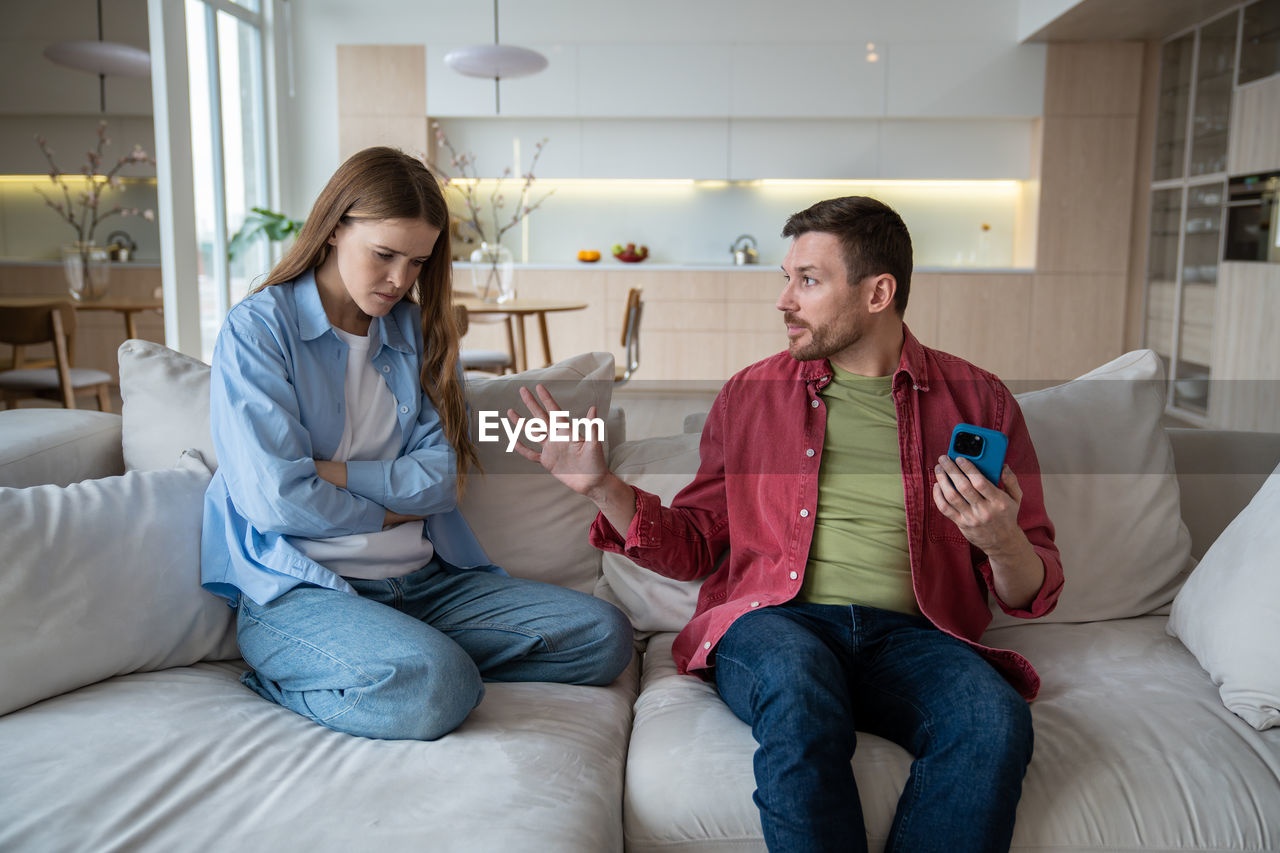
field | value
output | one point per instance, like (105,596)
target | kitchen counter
(708,267)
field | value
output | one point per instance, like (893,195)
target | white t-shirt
(371,431)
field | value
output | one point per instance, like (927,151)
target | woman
(340,425)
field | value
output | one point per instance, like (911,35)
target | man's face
(823,312)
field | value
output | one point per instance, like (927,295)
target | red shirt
(757,490)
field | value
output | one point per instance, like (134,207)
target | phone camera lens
(969,444)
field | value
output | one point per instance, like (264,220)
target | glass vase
(87,267)
(493,273)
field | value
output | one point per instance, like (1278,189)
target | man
(860,555)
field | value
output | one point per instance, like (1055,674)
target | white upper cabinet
(654,80)
(955,149)
(965,79)
(802,149)
(679,149)
(808,81)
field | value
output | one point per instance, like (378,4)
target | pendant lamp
(495,60)
(101,58)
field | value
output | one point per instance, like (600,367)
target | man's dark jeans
(805,676)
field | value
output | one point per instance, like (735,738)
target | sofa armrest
(1219,471)
(58,446)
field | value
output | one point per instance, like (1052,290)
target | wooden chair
(630,338)
(479,360)
(509,326)
(54,322)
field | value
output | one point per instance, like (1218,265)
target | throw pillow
(1228,612)
(528,522)
(165,406)
(102,578)
(662,466)
(1110,489)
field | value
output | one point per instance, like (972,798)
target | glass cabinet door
(1214,75)
(1162,272)
(1176,61)
(1260,46)
(1201,248)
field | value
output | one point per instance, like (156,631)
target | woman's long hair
(383,183)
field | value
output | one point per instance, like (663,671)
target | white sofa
(124,725)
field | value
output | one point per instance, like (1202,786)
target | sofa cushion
(1110,489)
(662,466)
(189,759)
(165,405)
(58,446)
(1133,751)
(102,577)
(1228,611)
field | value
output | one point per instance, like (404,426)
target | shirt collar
(912,363)
(314,322)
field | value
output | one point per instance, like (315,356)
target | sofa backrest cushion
(662,466)
(1109,488)
(58,446)
(102,578)
(527,522)
(1228,611)
(165,406)
(1219,472)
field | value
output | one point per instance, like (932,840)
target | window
(216,63)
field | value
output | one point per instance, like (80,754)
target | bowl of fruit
(629,254)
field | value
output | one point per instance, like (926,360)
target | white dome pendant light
(495,60)
(101,58)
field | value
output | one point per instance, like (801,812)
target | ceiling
(1123,20)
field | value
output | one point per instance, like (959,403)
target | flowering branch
(467,181)
(83,214)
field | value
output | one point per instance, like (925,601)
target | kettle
(120,246)
(742,253)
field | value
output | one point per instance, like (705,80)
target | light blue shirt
(277,403)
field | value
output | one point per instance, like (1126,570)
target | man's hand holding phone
(987,514)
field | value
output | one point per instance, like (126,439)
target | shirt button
(386,368)
(804,513)
(404,410)
(755,604)
(814,404)
(794,575)
(706,645)
(809,452)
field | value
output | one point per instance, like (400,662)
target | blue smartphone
(984,447)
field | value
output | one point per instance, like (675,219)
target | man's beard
(824,342)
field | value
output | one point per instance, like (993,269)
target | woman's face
(371,266)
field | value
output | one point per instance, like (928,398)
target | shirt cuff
(1046,598)
(368,479)
(642,533)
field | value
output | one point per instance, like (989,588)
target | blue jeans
(406,658)
(806,676)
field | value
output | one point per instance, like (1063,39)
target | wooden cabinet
(702,325)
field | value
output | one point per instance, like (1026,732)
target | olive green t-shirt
(859,551)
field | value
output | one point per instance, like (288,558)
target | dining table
(518,310)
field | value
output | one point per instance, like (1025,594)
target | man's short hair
(873,236)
